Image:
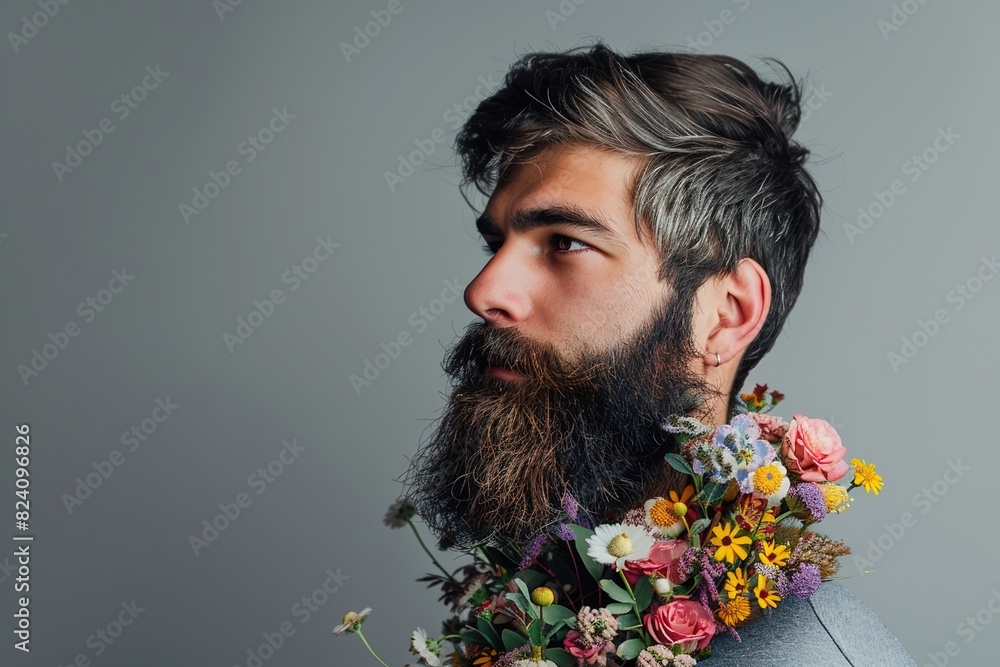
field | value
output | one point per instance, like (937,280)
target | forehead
(584,177)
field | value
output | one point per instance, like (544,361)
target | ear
(735,308)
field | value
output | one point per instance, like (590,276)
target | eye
(559,241)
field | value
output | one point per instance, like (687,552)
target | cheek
(600,313)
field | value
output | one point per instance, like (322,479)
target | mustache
(485,345)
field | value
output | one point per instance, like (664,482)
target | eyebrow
(545,216)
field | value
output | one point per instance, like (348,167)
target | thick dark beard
(506,451)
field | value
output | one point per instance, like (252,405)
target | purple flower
(812,497)
(570,506)
(566,533)
(781,584)
(531,551)
(805,581)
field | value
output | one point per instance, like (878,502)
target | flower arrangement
(651,588)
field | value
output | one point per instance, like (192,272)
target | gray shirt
(833,628)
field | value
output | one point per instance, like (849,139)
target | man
(648,225)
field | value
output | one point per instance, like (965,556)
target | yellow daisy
(774,554)
(865,475)
(765,593)
(730,546)
(736,582)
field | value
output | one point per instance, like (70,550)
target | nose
(500,293)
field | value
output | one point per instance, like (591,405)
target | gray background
(886,98)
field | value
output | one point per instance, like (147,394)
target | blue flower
(741,440)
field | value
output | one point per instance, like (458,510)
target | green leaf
(473,636)
(630,649)
(556,612)
(523,587)
(698,526)
(627,620)
(521,602)
(530,607)
(535,632)
(560,656)
(714,491)
(615,591)
(532,579)
(512,640)
(547,637)
(678,463)
(619,607)
(488,632)
(596,569)
(643,591)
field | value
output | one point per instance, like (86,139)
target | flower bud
(543,596)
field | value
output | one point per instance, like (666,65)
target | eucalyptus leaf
(556,612)
(630,648)
(512,640)
(523,587)
(627,620)
(535,632)
(532,579)
(619,607)
(615,591)
(643,591)
(596,569)
(473,636)
(489,632)
(560,656)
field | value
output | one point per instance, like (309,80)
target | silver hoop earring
(718,359)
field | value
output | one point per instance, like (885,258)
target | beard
(507,452)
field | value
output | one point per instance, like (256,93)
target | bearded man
(648,225)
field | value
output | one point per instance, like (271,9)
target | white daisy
(399,513)
(660,517)
(613,544)
(352,621)
(771,482)
(536,663)
(419,646)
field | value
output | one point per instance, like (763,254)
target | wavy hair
(721,177)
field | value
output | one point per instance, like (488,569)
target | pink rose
(681,622)
(591,654)
(772,428)
(661,560)
(812,448)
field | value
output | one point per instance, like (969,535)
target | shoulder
(856,628)
(833,628)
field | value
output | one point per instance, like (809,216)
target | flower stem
(635,603)
(358,633)
(779,518)
(433,559)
